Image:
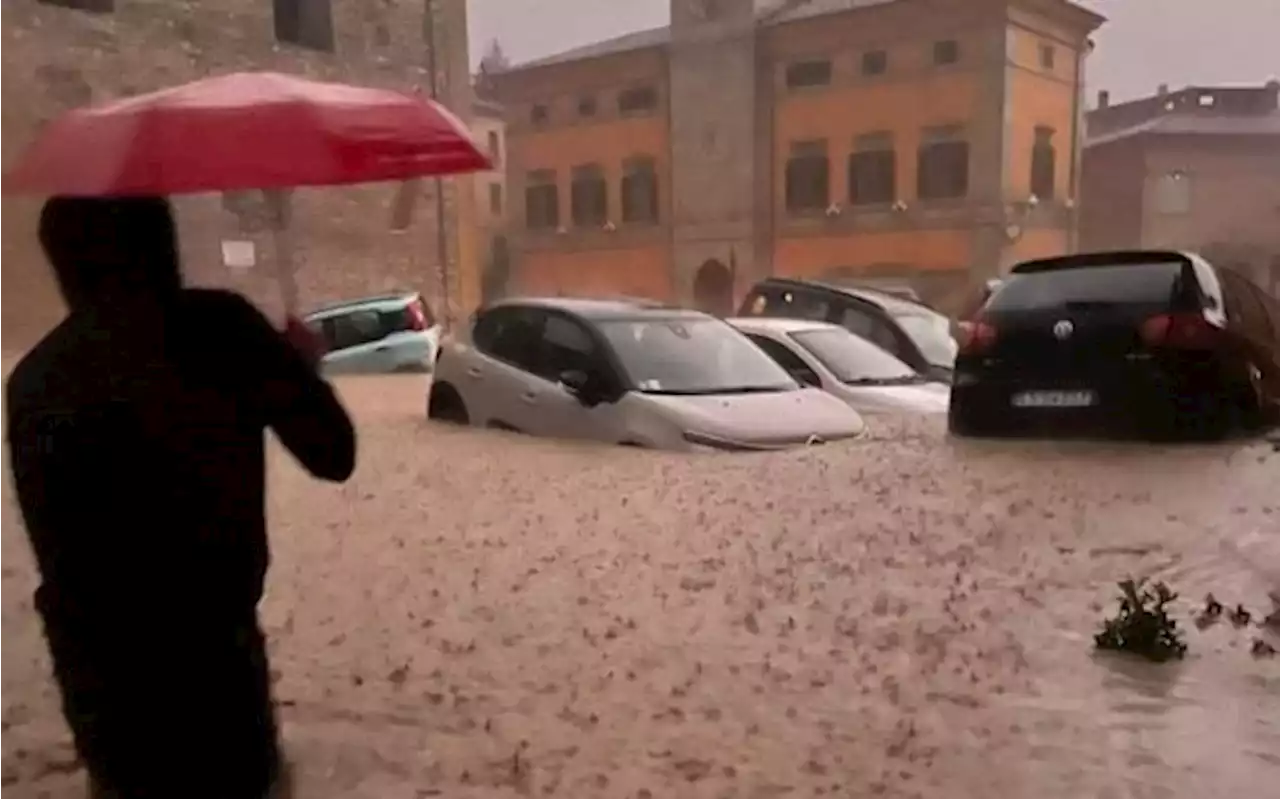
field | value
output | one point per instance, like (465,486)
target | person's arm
(299,405)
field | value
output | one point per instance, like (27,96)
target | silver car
(850,367)
(627,372)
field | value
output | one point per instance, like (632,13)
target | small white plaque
(238,254)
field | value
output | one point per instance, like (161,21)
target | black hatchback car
(1154,342)
(915,333)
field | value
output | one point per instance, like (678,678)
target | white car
(830,357)
(627,372)
(377,335)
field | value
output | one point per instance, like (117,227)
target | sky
(1144,43)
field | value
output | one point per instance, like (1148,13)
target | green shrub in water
(1142,626)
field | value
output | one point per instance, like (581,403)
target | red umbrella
(249,130)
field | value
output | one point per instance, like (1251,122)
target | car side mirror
(580,385)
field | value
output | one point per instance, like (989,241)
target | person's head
(107,249)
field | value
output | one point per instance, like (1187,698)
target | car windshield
(1121,284)
(692,356)
(931,332)
(853,359)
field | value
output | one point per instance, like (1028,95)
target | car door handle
(474,373)
(382,348)
(529,398)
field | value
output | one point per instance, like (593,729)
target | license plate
(1054,399)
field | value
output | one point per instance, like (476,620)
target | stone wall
(56,58)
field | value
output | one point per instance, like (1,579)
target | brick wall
(56,58)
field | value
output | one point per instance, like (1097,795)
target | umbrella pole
(282,238)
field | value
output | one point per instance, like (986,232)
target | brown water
(484,615)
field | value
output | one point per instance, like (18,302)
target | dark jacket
(136,437)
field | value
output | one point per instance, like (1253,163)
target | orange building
(932,142)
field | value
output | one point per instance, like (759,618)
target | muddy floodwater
(483,615)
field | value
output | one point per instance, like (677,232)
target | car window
(870,327)
(1156,283)
(759,303)
(510,334)
(787,359)
(783,303)
(802,305)
(931,333)
(353,329)
(691,355)
(852,358)
(566,346)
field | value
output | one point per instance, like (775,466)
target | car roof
(601,309)
(360,303)
(1100,258)
(774,324)
(888,302)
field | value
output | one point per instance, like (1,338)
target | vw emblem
(1063,330)
(813,441)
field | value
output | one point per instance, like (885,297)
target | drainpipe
(1077,149)
(442,238)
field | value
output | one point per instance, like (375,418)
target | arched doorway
(713,289)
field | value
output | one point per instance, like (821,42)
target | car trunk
(1036,341)
(1084,320)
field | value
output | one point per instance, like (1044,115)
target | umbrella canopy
(249,130)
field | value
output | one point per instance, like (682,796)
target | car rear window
(1146,284)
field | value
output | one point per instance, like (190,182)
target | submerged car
(1154,342)
(914,333)
(627,372)
(373,335)
(829,357)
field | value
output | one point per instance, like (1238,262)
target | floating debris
(1240,617)
(1262,649)
(1211,613)
(1142,626)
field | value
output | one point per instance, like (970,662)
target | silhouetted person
(136,435)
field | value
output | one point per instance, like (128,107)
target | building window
(942,165)
(95,6)
(304,23)
(639,100)
(1047,56)
(539,114)
(495,148)
(1044,164)
(639,190)
(589,196)
(1173,193)
(873,170)
(946,52)
(495,199)
(801,74)
(808,178)
(542,200)
(875,62)
(587,106)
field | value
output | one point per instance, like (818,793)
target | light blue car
(377,335)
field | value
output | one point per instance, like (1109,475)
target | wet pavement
(484,615)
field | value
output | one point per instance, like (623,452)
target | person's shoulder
(29,378)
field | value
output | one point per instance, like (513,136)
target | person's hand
(305,340)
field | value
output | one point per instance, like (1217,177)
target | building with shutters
(932,142)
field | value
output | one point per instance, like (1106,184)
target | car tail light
(1184,331)
(417,316)
(976,336)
